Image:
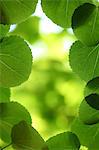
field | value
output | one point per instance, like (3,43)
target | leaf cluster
(16,63)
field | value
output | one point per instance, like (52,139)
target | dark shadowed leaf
(24,137)
(92,87)
(89,109)
(85,24)
(10,114)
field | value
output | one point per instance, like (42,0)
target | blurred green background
(53,92)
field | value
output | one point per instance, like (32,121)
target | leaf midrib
(11,69)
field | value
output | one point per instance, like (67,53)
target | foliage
(84,60)
(68,141)
(8,13)
(85,18)
(15,61)
(16,64)
(4,94)
(3,30)
(28,29)
(61,11)
(30,139)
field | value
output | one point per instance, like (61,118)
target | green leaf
(61,11)
(3,30)
(10,114)
(95,143)
(85,60)
(15,11)
(66,140)
(92,87)
(4,95)
(89,109)
(85,24)
(15,61)
(86,133)
(24,137)
(29,29)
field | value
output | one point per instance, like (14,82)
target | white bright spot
(70,30)
(38,50)
(12,27)
(67,44)
(47,26)
(38,11)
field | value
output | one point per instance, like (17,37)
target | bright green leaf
(85,60)
(61,11)
(29,29)
(10,114)
(85,24)
(24,137)
(89,109)
(15,11)
(86,133)
(66,140)
(3,30)
(4,95)
(92,87)
(15,61)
